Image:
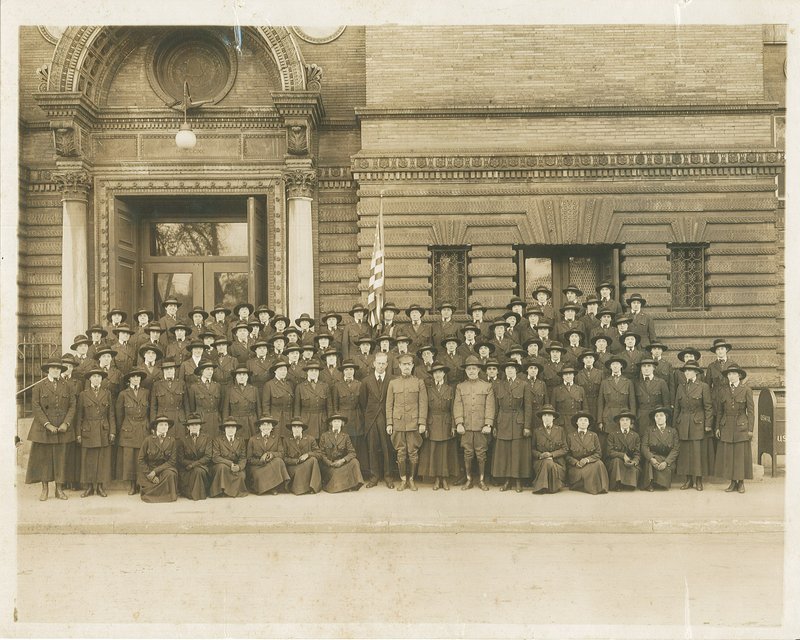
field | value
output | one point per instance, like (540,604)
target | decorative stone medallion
(199,56)
(52,34)
(318,34)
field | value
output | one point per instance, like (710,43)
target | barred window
(688,276)
(449,276)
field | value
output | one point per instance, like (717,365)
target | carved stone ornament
(297,140)
(43,74)
(76,181)
(313,77)
(300,183)
(67,141)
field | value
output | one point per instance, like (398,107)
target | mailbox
(772,424)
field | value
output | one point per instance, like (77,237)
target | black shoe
(101,491)
(731,486)
(88,492)
(741,486)
(467,484)
(389,483)
(373,482)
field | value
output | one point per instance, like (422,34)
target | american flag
(376,273)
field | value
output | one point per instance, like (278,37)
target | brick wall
(569,64)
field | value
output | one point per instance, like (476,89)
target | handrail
(30,386)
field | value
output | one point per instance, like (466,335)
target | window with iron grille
(688,276)
(449,276)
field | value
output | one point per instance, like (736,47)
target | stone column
(74,187)
(300,184)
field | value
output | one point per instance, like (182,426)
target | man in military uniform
(406,419)
(474,412)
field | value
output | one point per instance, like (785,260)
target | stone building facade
(502,157)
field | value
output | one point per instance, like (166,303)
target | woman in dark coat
(73,448)
(302,455)
(194,460)
(586,469)
(539,391)
(266,469)
(205,398)
(694,417)
(660,449)
(344,396)
(96,427)
(277,396)
(133,404)
(229,457)
(338,462)
(312,401)
(438,456)
(158,475)
(549,453)
(735,430)
(624,453)
(512,431)
(51,431)
(242,402)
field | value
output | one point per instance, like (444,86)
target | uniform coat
(421,335)
(266,475)
(618,445)
(453,362)
(735,411)
(333,447)
(633,358)
(168,398)
(549,473)
(241,351)
(243,404)
(442,329)
(406,410)
(95,421)
(223,374)
(593,477)
(224,455)
(345,397)
(52,403)
(649,395)
(306,475)
(159,455)
(539,397)
(330,376)
(664,446)
(194,460)
(206,399)
(551,373)
(438,456)
(512,453)
(616,395)
(277,400)
(568,401)
(694,413)
(643,326)
(312,402)
(125,359)
(186,370)
(474,407)
(590,380)
(132,421)
(259,371)
(352,332)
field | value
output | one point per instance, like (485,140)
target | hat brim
(46,366)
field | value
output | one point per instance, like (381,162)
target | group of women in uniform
(231,402)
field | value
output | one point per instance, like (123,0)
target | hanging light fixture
(185,138)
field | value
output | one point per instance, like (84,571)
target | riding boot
(698,483)
(411,484)
(481,469)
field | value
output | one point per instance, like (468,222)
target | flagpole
(379,309)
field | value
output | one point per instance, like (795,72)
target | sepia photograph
(417,321)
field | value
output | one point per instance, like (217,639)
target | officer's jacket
(618,444)
(643,326)
(168,397)
(259,371)
(568,401)
(441,330)
(335,446)
(714,377)
(157,455)
(125,359)
(663,446)
(440,412)
(649,395)
(582,446)
(406,404)
(258,445)
(514,408)
(241,402)
(95,420)
(350,334)
(224,452)
(297,447)
(241,351)
(735,413)
(277,400)
(223,374)
(132,417)
(616,396)
(589,380)
(474,405)
(206,399)
(554,442)
(190,450)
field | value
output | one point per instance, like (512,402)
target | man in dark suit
(372,400)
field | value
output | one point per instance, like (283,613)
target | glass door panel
(184,282)
(538,272)
(226,283)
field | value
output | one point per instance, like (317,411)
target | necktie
(194,437)
(96,390)
(733,387)
(230,440)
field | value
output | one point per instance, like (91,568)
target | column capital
(73,183)
(300,182)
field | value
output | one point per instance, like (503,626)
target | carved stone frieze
(297,140)
(72,182)
(313,77)
(300,183)
(67,141)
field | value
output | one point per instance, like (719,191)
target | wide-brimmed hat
(291,329)
(358,307)
(511,314)
(204,364)
(339,416)
(636,297)
(742,373)
(367,340)
(622,319)
(96,371)
(254,323)
(570,307)
(230,422)
(574,331)
(476,306)
(513,363)
(427,347)
(555,346)
(239,325)
(105,350)
(573,288)
(627,334)
(218,308)
(645,361)
(277,318)
(278,335)
(600,336)
(531,341)
(79,340)
(542,289)
(133,372)
(451,338)
(151,347)
(240,369)
(591,300)
(206,333)
(297,422)
(470,327)
(198,309)
(390,306)
(180,325)
(720,342)
(691,366)
(261,420)
(544,325)
(150,315)
(193,418)
(515,348)
(154,326)
(124,314)
(534,311)
(68,358)
(402,337)
(529,362)
(278,362)
(447,305)
(307,318)
(291,348)
(53,363)
(322,334)
(171,300)
(439,366)
(405,357)
(665,410)
(568,369)
(259,343)
(348,364)
(588,352)
(123,326)
(516,300)
(492,362)
(656,344)
(606,312)
(330,314)
(240,306)
(262,308)
(498,322)
(485,343)
(415,307)
(222,340)
(154,422)
(616,358)
(582,414)
(472,361)
(330,351)
(547,408)
(96,328)
(683,352)
(604,283)
(168,363)
(312,364)
(194,344)
(625,414)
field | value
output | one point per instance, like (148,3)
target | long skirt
(127,463)
(165,491)
(343,478)
(47,463)
(96,464)
(548,476)
(305,477)
(734,461)
(652,475)
(248,422)
(193,483)
(225,481)
(512,459)
(438,458)
(696,458)
(268,476)
(591,478)
(618,471)
(74,455)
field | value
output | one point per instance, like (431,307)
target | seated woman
(158,476)
(623,453)
(340,468)
(586,470)
(229,457)
(266,469)
(660,448)
(194,459)
(549,453)
(301,460)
